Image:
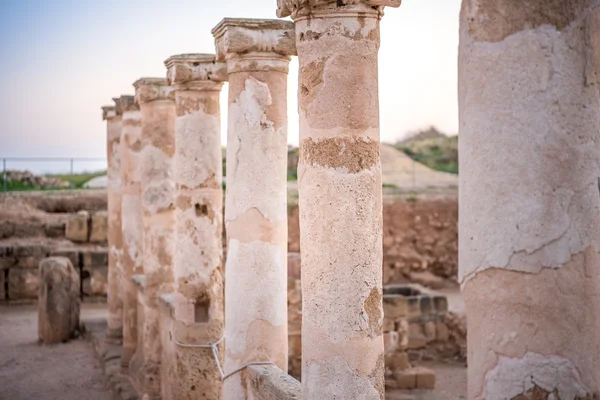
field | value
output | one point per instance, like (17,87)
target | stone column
(131,219)
(199,307)
(529,201)
(340,197)
(257,53)
(158,195)
(114,332)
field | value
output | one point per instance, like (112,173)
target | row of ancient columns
(529,205)
(167,288)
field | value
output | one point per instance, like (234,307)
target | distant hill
(433,149)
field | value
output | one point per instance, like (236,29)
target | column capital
(255,44)
(125,103)
(152,89)
(108,112)
(196,71)
(305,8)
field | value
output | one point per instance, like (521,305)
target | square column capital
(152,89)
(125,103)
(242,35)
(184,68)
(302,8)
(108,112)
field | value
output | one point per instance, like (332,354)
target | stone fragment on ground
(59,301)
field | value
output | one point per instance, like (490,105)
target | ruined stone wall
(420,240)
(34,226)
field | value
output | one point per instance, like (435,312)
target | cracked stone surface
(529,198)
(256,212)
(131,221)
(113,117)
(340,199)
(157,151)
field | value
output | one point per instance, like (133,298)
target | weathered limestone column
(529,198)
(340,197)
(114,332)
(199,307)
(257,53)
(131,220)
(158,195)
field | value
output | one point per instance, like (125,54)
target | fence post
(71,180)
(4,174)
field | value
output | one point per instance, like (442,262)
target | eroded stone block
(77,228)
(95,258)
(23,283)
(56,230)
(30,255)
(99,227)
(7,262)
(95,281)
(59,300)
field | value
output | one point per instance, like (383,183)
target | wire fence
(49,173)
(400,172)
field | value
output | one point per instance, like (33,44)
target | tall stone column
(199,307)
(114,332)
(339,177)
(529,198)
(158,215)
(131,220)
(257,53)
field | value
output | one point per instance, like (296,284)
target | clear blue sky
(63,60)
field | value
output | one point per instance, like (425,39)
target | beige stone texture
(137,361)
(303,8)
(339,176)
(23,284)
(29,255)
(257,53)
(270,383)
(95,281)
(157,150)
(113,117)
(58,301)
(197,305)
(529,231)
(99,227)
(78,227)
(131,220)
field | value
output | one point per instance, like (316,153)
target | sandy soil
(29,371)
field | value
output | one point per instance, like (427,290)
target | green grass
(440,153)
(78,181)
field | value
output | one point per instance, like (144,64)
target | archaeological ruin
(218,288)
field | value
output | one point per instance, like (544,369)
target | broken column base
(110,360)
(187,372)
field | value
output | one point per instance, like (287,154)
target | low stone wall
(417,327)
(420,240)
(19,268)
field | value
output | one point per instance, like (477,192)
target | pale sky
(62,60)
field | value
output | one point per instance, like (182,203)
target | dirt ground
(29,371)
